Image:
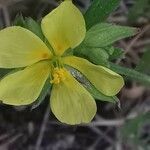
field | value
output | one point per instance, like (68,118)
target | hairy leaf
(105,34)
(99,11)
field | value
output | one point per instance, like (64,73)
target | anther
(58,75)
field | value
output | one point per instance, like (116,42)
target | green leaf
(118,53)
(35,27)
(99,11)
(46,89)
(97,46)
(144,64)
(98,56)
(109,49)
(131,129)
(19,21)
(104,34)
(131,74)
(29,24)
(95,55)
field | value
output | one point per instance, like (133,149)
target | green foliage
(96,46)
(143,65)
(117,53)
(29,24)
(99,11)
(94,55)
(98,56)
(105,34)
(131,74)
(140,8)
(19,21)
(132,128)
(34,27)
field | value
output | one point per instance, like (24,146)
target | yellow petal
(71,103)
(105,80)
(19,48)
(24,87)
(64,27)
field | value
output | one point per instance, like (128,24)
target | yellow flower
(70,102)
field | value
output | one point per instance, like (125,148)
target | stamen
(58,75)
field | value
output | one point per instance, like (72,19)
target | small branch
(117,122)
(102,134)
(146,28)
(11,140)
(102,122)
(43,128)
(132,43)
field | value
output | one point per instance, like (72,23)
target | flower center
(58,75)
